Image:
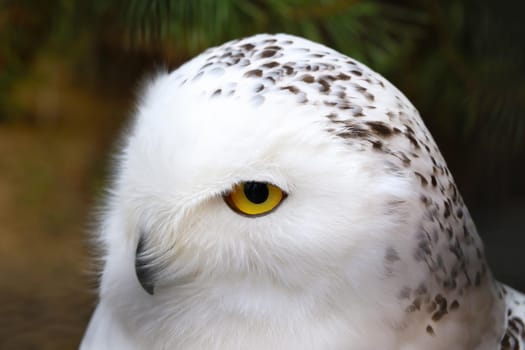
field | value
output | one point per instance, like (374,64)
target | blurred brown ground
(49,167)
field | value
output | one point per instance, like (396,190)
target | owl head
(280,163)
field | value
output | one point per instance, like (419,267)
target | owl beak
(144,267)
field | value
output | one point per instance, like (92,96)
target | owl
(273,193)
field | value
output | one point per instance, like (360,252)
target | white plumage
(368,244)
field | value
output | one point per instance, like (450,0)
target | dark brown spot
(307,78)
(274,47)
(216,93)
(518,325)
(477,279)
(442,308)
(446,212)
(344,105)
(430,330)
(356,72)
(325,86)
(360,88)
(354,131)
(377,144)
(328,77)
(267,53)
(510,341)
(466,232)
(442,302)
(423,180)
(412,140)
(270,64)
(247,47)
(433,180)
(478,253)
(342,76)
(454,305)
(438,315)
(253,73)
(290,88)
(392,115)
(289,69)
(380,128)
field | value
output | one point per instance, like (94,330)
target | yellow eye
(254,198)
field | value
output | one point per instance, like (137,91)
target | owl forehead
(281,72)
(264,67)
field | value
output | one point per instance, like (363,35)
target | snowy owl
(273,193)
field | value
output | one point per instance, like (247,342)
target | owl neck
(246,313)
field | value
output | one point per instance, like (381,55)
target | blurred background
(70,71)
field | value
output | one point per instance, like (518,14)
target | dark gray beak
(144,267)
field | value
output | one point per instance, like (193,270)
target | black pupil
(256,192)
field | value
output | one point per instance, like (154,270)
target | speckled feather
(443,287)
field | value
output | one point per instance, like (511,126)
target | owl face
(222,188)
